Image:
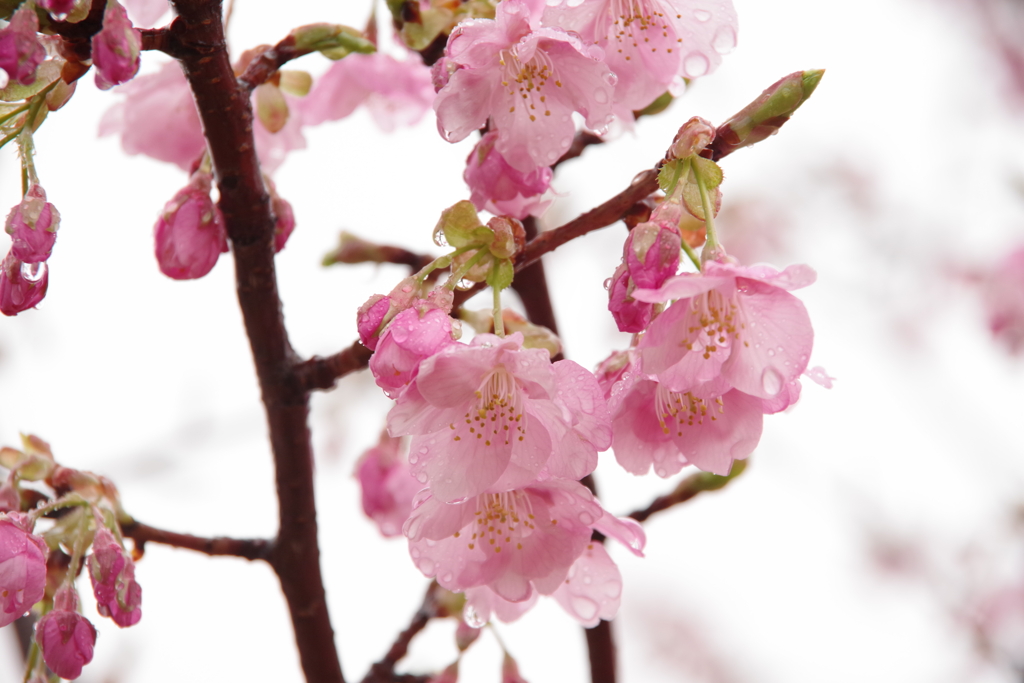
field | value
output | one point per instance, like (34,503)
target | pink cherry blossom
(630,315)
(32,225)
(650,256)
(158,118)
(190,234)
(22,567)
(22,285)
(387,485)
(483,604)
(651,44)
(592,590)
(412,336)
(65,636)
(20,50)
(112,571)
(527,80)
(115,49)
(397,93)
(513,542)
(369,318)
(729,320)
(501,189)
(1004,301)
(491,415)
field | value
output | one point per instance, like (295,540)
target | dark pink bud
(22,567)
(630,315)
(370,316)
(56,7)
(190,234)
(22,285)
(112,571)
(32,225)
(652,254)
(692,138)
(501,189)
(65,636)
(20,50)
(412,336)
(115,49)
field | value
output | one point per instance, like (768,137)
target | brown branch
(158,39)
(262,68)
(383,671)
(689,488)
(249,548)
(226,113)
(322,373)
(582,140)
(532,286)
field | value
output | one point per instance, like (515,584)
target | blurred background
(879,532)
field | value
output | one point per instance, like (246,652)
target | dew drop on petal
(426,566)
(585,608)
(414,553)
(587,580)
(586,519)
(724,40)
(601,96)
(33,272)
(473,618)
(695,65)
(701,14)
(422,477)
(661,472)
(413,458)
(771,352)
(771,381)
(447,577)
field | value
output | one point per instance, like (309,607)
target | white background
(896,179)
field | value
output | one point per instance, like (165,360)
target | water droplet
(586,518)
(587,580)
(771,381)
(771,352)
(426,566)
(414,552)
(695,65)
(472,617)
(660,471)
(701,14)
(422,477)
(601,96)
(413,458)
(407,289)
(585,608)
(725,40)
(447,577)
(33,272)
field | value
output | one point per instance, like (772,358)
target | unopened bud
(115,49)
(692,138)
(509,236)
(333,40)
(32,225)
(22,285)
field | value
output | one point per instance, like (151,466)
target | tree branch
(689,488)
(249,548)
(322,373)
(226,113)
(263,67)
(383,671)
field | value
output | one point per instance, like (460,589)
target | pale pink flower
(396,93)
(190,234)
(158,118)
(513,542)
(1004,301)
(412,336)
(115,49)
(20,50)
(736,322)
(32,225)
(490,416)
(112,571)
(527,80)
(146,12)
(22,285)
(65,636)
(651,44)
(22,567)
(387,485)
(501,189)
(483,604)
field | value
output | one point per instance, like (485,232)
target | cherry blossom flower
(650,256)
(112,571)
(412,336)
(20,50)
(32,225)
(651,44)
(527,81)
(190,234)
(22,285)
(387,485)
(22,567)
(65,636)
(115,49)
(483,604)
(501,189)
(729,320)
(491,415)
(396,93)
(1004,301)
(513,542)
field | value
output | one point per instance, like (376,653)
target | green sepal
(500,275)
(458,224)
(671,173)
(334,41)
(296,83)
(47,73)
(709,171)
(659,105)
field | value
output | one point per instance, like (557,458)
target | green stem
(499,322)
(709,212)
(691,253)
(457,276)
(32,661)
(11,114)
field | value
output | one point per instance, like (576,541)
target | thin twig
(689,488)
(383,671)
(323,373)
(262,68)
(249,548)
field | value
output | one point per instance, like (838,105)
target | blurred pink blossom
(190,235)
(22,567)
(387,485)
(1004,300)
(20,50)
(115,49)
(32,225)
(65,636)
(112,571)
(501,189)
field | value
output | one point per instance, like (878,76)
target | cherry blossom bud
(58,8)
(190,234)
(22,567)
(501,189)
(32,225)
(651,253)
(387,485)
(369,318)
(692,138)
(20,49)
(118,596)
(630,315)
(65,636)
(412,336)
(510,671)
(22,285)
(465,635)
(115,49)
(764,116)
(509,237)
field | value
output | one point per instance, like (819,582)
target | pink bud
(20,50)
(369,317)
(115,49)
(501,189)
(66,637)
(692,138)
(56,7)
(22,567)
(118,596)
(412,336)
(22,285)
(651,253)
(465,635)
(32,225)
(510,671)
(387,485)
(190,235)
(630,315)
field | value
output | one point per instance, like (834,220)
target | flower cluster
(90,511)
